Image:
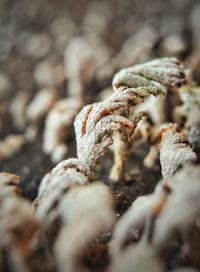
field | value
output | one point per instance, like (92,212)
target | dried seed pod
(11,145)
(190,111)
(82,208)
(58,124)
(174,151)
(140,258)
(182,207)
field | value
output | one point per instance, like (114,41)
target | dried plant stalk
(87,213)
(190,111)
(79,66)
(57,126)
(41,104)
(96,124)
(185,186)
(163,207)
(147,79)
(174,154)
(54,188)
(18,109)
(174,151)
(20,230)
(166,71)
(134,219)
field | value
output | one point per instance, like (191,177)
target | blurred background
(51,51)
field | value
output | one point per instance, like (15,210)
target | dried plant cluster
(73,211)
(174,151)
(21,237)
(189,112)
(129,199)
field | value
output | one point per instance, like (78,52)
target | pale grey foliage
(146,79)
(174,151)
(57,126)
(180,193)
(185,187)
(140,258)
(136,216)
(167,71)
(190,110)
(87,213)
(55,185)
(96,124)
(19,228)
(64,192)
